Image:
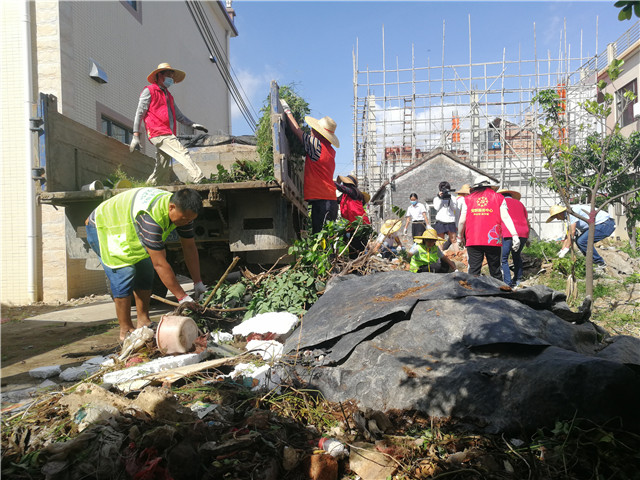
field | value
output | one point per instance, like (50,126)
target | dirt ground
(28,344)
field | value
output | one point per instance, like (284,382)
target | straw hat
(464,190)
(391,226)
(367,197)
(429,234)
(326,127)
(554,211)
(178,75)
(513,193)
(349,179)
(483,181)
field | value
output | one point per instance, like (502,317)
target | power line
(221,60)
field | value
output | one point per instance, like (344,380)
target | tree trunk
(589,256)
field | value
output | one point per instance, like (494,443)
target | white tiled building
(69,49)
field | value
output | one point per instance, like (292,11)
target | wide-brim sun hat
(349,179)
(554,211)
(483,181)
(391,226)
(326,127)
(178,75)
(513,193)
(429,234)
(464,190)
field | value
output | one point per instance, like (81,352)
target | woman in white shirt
(445,206)
(417,215)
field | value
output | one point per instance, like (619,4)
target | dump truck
(255,220)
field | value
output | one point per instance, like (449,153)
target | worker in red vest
(160,113)
(481,221)
(319,165)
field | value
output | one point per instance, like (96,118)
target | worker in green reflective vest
(128,233)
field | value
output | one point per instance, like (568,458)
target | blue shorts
(123,280)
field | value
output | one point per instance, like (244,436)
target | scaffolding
(481,112)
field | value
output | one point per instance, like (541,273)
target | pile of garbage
(388,375)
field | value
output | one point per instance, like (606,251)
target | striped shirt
(150,233)
(312,146)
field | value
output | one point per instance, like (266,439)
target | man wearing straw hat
(160,113)
(483,215)
(320,163)
(578,229)
(520,217)
(427,256)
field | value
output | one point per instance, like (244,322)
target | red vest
(157,118)
(318,175)
(483,225)
(351,209)
(518,214)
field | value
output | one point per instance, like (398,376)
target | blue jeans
(602,231)
(507,242)
(123,280)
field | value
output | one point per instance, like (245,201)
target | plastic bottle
(333,447)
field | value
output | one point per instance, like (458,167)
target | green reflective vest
(116,227)
(423,257)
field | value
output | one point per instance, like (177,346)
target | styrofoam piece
(45,372)
(220,337)
(73,374)
(154,366)
(99,360)
(274,322)
(263,377)
(267,349)
(46,385)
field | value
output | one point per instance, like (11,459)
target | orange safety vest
(157,118)
(318,175)
(483,225)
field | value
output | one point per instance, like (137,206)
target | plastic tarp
(457,345)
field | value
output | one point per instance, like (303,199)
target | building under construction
(481,112)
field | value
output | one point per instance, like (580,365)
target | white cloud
(255,88)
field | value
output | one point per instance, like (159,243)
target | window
(134,7)
(117,131)
(624,108)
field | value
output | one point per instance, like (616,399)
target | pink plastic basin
(176,334)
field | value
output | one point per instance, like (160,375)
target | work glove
(135,144)
(197,126)
(563,252)
(185,300)
(198,290)
(515,245)
(285,106)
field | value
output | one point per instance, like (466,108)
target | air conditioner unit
(636,110)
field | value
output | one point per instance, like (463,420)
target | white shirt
(445,213)
(416,212)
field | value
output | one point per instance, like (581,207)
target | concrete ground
(65,337)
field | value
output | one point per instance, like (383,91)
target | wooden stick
(222,278)
(211,309)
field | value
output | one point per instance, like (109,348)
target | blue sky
(310,44)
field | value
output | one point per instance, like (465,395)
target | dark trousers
(321,212)
(418,228)
(477,253)
(507,242)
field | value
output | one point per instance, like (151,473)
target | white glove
(399,249)
(186,299)
(285,106)
(198,290)
(135,144)
(404,232)
(197,126)
(515,245)
(563,252)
